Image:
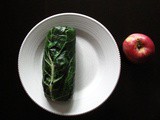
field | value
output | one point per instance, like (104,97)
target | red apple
(138,47)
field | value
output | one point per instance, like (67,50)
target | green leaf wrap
(58,64)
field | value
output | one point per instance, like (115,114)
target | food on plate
(138,48)
(58,65)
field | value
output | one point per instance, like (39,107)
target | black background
(137,95)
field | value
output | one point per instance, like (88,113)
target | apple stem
(139,44)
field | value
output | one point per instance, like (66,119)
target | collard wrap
(59,63)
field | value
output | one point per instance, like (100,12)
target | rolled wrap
(58,63)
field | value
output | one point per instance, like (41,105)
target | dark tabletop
(137,94)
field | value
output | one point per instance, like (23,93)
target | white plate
(97,64)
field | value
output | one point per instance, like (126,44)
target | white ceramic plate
(97,64)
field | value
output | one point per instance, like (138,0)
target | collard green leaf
(59,63)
